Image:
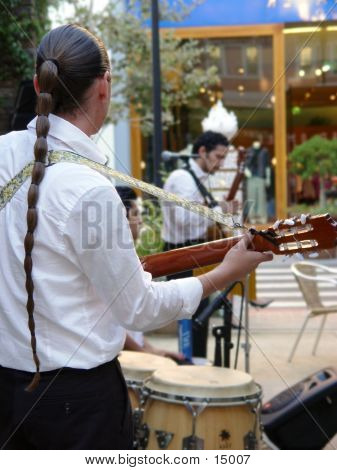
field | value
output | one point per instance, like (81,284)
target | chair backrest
(309,288)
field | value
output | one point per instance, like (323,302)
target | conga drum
(202,407)
(138,366)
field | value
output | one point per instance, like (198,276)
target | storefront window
(246,88)
(311,60)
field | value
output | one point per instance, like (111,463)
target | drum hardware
(249,440)
(164,438)
(194,442)
(141,430)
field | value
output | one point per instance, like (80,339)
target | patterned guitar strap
(57,156)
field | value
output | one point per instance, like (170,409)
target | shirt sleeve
(98,237)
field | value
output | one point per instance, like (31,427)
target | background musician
(181,227)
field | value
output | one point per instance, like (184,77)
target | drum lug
(193,443)
(141,431)
(164,438)
(250,441)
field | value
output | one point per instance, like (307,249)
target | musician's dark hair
(69,59)
(127,195)
(210,140)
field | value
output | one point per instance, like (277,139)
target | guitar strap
(56,156)
(208,197)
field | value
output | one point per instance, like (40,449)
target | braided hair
(69,59)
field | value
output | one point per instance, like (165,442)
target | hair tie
(56,62)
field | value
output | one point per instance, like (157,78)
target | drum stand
(224,332)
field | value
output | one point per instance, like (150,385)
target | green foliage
(316,155)
(150,240)
(127,35)
(21,27)
(313,209)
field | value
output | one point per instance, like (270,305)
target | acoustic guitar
(317,232)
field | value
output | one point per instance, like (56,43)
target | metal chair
(308,275)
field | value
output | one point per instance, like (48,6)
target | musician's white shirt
(180,224)
(89,283)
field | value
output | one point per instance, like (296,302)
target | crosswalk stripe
(277,282)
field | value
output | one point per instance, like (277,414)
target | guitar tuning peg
(276,224)
(303,219)
(289,222)
(299,256)
(313,255)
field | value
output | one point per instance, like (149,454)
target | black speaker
(305,415)
(24,110)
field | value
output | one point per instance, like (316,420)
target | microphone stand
(221,332)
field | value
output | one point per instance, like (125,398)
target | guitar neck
(192,257)
(235,186)
(301,235)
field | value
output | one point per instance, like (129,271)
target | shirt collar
(199,173)
(65,136)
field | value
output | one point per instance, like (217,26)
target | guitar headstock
(298,235)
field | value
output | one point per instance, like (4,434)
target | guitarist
(181,227)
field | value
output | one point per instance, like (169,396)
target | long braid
(69,59)
(47,80)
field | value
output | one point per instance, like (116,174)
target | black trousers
(199,333)
(81,409)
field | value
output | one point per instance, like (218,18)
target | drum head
(138,366)
(201,382)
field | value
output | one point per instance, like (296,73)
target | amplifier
(305,415)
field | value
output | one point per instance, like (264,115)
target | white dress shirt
(179,224)
(89,283)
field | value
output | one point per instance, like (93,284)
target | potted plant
(315,156)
